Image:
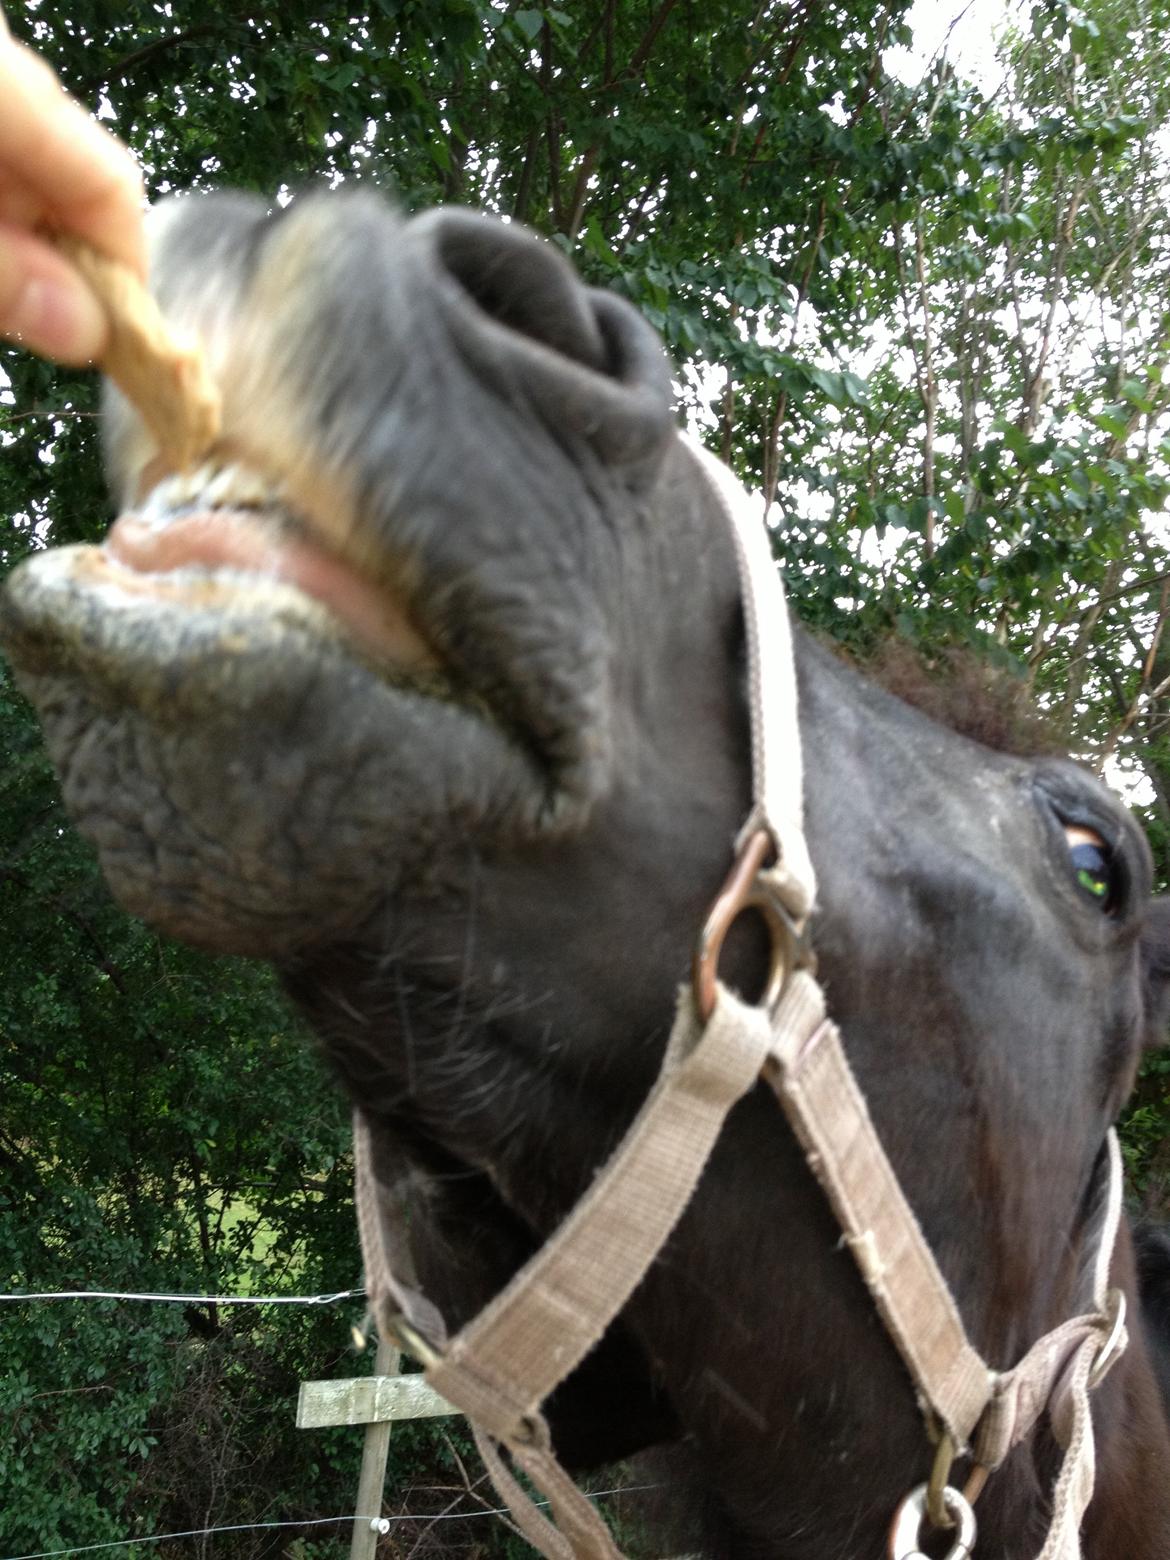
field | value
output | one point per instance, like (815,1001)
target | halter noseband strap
(502,1366)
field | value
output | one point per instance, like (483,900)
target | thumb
(44,304)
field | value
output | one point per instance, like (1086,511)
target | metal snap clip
(910,1518)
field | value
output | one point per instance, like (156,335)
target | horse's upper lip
(227,524)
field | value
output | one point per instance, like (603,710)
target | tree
(924,319)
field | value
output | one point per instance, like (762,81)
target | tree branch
(129,62)
(1145,695)
(587,164)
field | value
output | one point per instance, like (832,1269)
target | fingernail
(57,321)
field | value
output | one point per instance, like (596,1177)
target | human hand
(59,170)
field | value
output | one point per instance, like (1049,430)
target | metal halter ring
(910,1518)
(1114,1345)
(747,889)
(940,1478)
(413,1343)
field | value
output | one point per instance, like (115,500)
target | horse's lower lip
(248,543)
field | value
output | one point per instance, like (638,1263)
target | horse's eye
(1094,868)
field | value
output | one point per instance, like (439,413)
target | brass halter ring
(747,888)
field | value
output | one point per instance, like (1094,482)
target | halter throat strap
(502,1366)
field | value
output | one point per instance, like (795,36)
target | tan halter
(502,1366)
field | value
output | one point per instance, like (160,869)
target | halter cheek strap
(502,1366)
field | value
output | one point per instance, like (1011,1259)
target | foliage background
(925,314)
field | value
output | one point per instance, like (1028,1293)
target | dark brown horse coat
(450,725)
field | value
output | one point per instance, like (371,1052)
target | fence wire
(332,1298)
(243,1527)
(117,1294)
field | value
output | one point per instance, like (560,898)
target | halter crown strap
(777,760)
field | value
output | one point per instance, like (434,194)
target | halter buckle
(749,888)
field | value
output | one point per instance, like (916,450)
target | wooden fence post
(374,1401)
(363,1543)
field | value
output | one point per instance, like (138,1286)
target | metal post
(373,1475)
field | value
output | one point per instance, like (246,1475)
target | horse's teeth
(183,487)
(194,483)
(237,485)
(211,486)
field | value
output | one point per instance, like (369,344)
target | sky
(966,31)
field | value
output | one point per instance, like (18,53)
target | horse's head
(430,690)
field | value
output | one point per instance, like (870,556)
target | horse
(430,688)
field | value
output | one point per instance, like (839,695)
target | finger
(19,207)
(44,304)
(88,181)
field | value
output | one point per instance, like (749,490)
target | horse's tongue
(247,543)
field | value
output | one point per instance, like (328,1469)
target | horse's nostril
(521,282)
(541,343)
